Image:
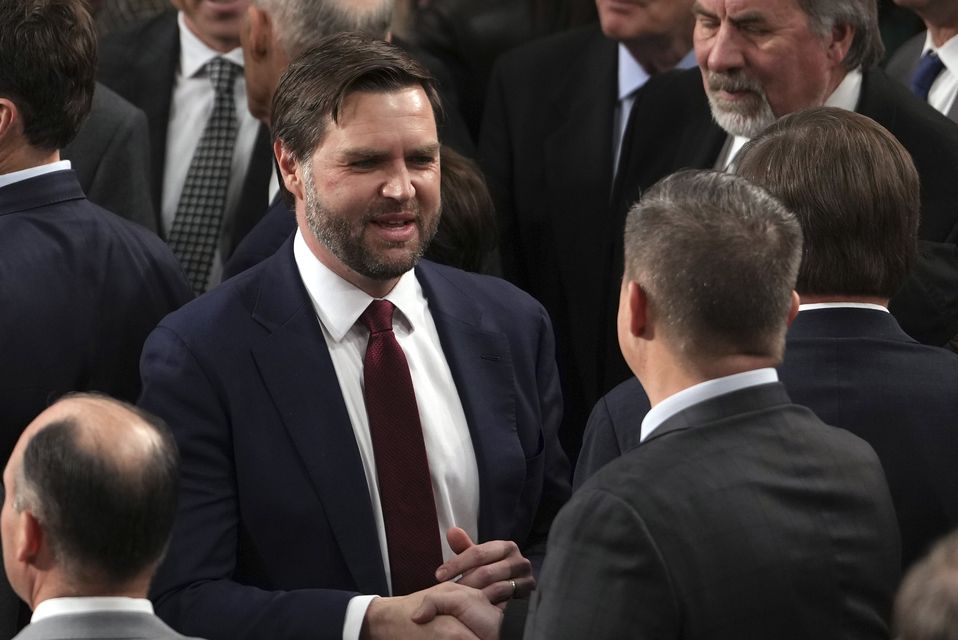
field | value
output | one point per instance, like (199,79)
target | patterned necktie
(927,70)
(405,488)
(199,214)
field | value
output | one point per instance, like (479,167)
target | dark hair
(717,257)
(47,66)
(467,228)
(107,521)
(926,607)
(315,85)
(855,192)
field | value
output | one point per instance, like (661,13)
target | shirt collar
(700,393)
(948,52)
(63,606)
(194,53)
(7,179)
(842,305)
(339,303)
(632,75)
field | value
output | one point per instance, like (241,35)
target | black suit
(858,370)
(678,132)
(546,149)
(743,516)
(902,65)
(140,64)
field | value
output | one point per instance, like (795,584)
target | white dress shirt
(452,460)
(842,305)
(700,393)
(845,96)
(190,108)
(7,179)
(945,87)
(64,606)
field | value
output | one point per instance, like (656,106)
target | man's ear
(793,308)
(842,36)
(289,169)
(9,116)
(638,303)
(30,537)
(259,33)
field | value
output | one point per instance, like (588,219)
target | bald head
(98,478)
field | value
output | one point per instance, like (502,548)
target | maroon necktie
(405,489)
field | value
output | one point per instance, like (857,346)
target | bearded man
(349,422)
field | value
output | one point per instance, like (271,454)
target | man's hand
(470,606)
(389,618)
(497,567)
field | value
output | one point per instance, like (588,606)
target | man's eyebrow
(362,153)
(749,18)
(699,10)
(427,150)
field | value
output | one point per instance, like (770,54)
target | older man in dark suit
(169,67)
(89,499)
(351,422)
(823,53)
(738,514)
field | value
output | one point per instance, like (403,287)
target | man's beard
(344,237)
(744,117)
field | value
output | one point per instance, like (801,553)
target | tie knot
(378,316)
(222,74)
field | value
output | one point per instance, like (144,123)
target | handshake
(467,608)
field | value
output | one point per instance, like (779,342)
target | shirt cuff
(355,614)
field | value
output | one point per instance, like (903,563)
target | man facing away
(351,421)
(739,514)
(89,499)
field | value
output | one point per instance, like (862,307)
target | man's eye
(422,160)
(365,163)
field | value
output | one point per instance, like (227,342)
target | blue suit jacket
(857,369)
(275,531)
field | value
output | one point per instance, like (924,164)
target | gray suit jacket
(100,625)
(111,157)
(902,65)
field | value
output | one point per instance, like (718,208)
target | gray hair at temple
(862,15)
(927,604)
(301,24)
(717,257)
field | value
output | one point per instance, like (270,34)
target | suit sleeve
(555,487)
(194,590)
(604,577)
(599,444)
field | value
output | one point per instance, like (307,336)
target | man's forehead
(746,8)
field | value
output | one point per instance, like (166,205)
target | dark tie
(199,214)
(405,488)
(927,70)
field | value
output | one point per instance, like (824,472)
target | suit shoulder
(118,48)
(489,292)
(902,61)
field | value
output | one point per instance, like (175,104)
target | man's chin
(736,123)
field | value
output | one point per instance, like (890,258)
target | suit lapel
(298,372)
(481,364)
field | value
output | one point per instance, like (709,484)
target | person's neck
(26,157)
(812,298)
(658,54)
(664,377)
(941,20)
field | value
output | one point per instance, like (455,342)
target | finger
(458,539)
(503,591)
(512,567)
(451,629)
(477,555)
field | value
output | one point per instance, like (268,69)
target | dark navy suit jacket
(264,239)
(80,289)
(275,531)
(855,368)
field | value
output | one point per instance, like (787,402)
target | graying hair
(718,258)
(862,15)
(301,24)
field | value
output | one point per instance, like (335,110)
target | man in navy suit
(80,287)
(283,529)
(846,357)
